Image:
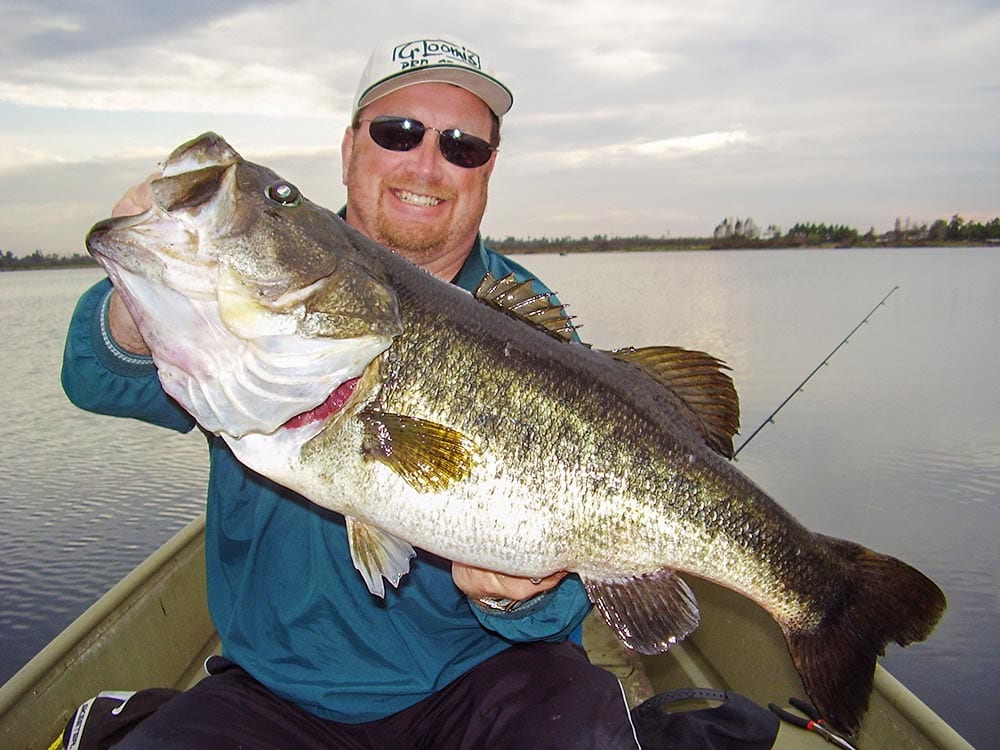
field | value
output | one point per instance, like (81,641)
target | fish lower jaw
(273,454)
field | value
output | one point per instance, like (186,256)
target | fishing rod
(826,361)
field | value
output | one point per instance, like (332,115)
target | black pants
(538,695)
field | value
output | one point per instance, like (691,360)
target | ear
(346,147)
(491,164)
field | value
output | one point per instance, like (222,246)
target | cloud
(56,29)
(645,152)
(51,204)
(638,116)
(223,58)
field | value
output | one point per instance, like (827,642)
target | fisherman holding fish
(453,657)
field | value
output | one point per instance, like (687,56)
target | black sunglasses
(405,133)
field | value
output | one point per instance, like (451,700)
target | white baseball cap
(430,58)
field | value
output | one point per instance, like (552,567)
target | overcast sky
(630,117)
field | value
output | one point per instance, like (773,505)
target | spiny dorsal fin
(429,456)
(377,555)
(519,300)
(698,379)
(649,613)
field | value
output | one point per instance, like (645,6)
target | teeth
(418,200)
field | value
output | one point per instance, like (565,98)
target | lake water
(895,444)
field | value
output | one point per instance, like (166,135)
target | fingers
(478,583)
(122,326)
(136,199)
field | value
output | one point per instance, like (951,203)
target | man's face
(415,202)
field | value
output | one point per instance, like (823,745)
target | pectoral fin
(649,613)
(378,555)
(429,456)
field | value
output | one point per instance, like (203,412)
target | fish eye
(283,193)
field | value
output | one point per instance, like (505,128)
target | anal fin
(378,555)
(649,613)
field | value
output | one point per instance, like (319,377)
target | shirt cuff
(550,616)
(110,354)
(501,607)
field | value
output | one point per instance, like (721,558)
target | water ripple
(893,445)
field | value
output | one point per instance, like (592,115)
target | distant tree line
(10,262)
(960,230)
(597,243)
(746,233)
(741,232)
(730,233)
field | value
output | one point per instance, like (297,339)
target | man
(455,656)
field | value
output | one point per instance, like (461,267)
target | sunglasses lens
(404,134)
(396,133)
(464,150)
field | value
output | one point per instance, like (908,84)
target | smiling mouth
(415,199)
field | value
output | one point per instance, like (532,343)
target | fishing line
(826,361)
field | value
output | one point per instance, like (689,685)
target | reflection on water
(895,445)
(84,498)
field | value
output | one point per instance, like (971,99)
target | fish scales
(535,505)
(472,429)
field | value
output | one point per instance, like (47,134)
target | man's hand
(478,583)
(120,322)
(136,199)
(122,326)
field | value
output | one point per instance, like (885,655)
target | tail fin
(886,600)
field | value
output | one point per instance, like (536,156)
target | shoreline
(624,245)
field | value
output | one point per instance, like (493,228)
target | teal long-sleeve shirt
(284,596)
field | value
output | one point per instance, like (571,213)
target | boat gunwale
(43,673)
(30,684)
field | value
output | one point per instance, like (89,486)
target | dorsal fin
(698,379)
(519,300)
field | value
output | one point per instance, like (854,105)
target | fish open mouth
(334,403)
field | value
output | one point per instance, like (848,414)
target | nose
(427,156)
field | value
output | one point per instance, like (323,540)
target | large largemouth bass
(473,427)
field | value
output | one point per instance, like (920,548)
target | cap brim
(496,96)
